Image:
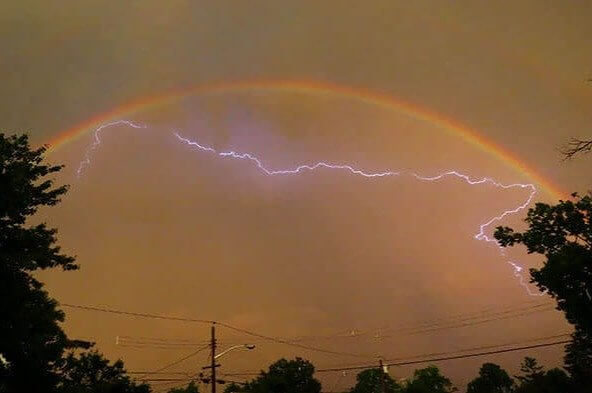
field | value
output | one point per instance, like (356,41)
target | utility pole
(213,364)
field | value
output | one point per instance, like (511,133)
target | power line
(450,322)
(289,341)
(280,341)
(186,380)
(431,326)
(165,379)
(501,316)
(137,314)
(428,327)
(439,321)
(175,362)
(424,328)
(478,317)
(159,347)
(483,347)
(122,341)
(162,339)
(449,357)
(185,373)
(478,314)
(237,329)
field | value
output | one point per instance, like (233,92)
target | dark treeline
(297,376)
(36,355)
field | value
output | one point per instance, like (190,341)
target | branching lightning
(481,235)
(97,141)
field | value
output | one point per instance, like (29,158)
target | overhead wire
(489,311)
(513,313)
(451,322)
(427,324)
(205,321)
(296,345)
(406,363)
(448,355)
(136,314)
(431,323)
(476,321)
(174,363)
(483,347)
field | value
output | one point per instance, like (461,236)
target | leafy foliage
(190,388)
(91,373)
(233,387)
(25,189)
(531,371)
(553,381)
(563,234)
(578,359)
(428,380)
(492,379)
(31,339)
(32,342)
(375,381)
(534,379)
(285,376)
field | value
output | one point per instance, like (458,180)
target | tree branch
(575,147)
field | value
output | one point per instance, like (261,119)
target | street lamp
(215,356)
(243,346)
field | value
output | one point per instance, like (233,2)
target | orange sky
(160,228)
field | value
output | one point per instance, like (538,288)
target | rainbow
(319,88)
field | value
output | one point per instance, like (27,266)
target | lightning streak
(481,235)
(294,171)
(97,142)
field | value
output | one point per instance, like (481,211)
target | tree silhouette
(553,381)
(233,387)
(428,380)
(563,234)
(285,376)
(91,373)
(492,379)
(190,388)
(531,371)
(31,339)
(32,342)
(578,359)
(575,147)
(375,380)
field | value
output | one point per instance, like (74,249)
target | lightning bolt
(481,235)
(97,142)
